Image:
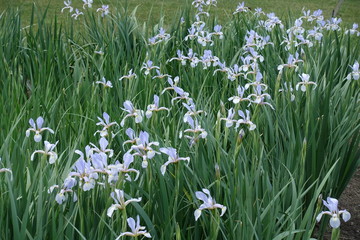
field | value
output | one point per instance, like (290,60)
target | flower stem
(124,219)
(215,223)
(335,234)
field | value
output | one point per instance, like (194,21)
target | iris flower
(182,95)
(120,203)
(47,151)
(37,128)
(106,124)
(61,196)
(113,170)
(291,63)
(104,10)
(136,229)
(128,159)
(305,82)
(87,3)
(76,14)
(172,84)
(229,121)
(240,97)
(355,74)
(332,205)
(143,148)
(136,113)
(259,97)
(106,84)
(241,8)
(67,6)
(154,107)
(103,147)
(190,106)
(132,137)
(245,120)
(148,66)
(130,75)
(173,158)
(208,203)
(180,57)
(195,129)
(160,75)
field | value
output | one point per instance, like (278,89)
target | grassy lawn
(152,10)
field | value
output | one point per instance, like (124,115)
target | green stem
(215,223)
(177,188)
(335,234)
(124,221)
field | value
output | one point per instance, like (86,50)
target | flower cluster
(246,74)
(104,10)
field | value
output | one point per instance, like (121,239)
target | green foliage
(269,179)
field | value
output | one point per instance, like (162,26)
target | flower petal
(335,222)
(39,122)
(111,210)
(345,215)
(197,214)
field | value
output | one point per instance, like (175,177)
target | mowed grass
(151,11)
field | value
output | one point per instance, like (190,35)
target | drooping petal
(303,88)
(60,197)
(37,137)
(318,218)
(51,188)
(223,210)
(33,154)
(345,215)
(111,210)
(27,133)
(138,117)
(335,221)
(148,114)
(163,169)
(197,214)
(53,157)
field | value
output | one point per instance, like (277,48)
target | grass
(152,11)
(270,179)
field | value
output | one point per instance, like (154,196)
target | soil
(350,200)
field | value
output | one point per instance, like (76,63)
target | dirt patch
(350,200)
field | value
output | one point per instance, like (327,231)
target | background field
(152,10)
